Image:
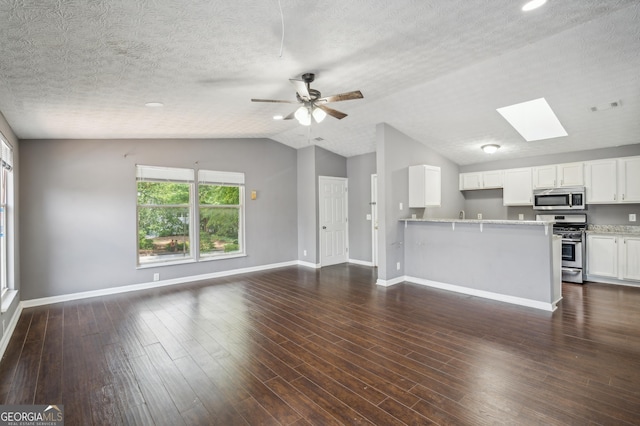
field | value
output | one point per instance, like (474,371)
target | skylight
(534,120)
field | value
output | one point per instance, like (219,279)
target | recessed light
(154,104)
(490,148)
(533,4)
(534,120)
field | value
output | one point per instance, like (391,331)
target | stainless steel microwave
(569,198)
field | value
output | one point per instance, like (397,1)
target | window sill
(167,263)
(222,257)
(7,299)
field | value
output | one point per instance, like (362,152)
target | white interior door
(374,220)
(333,221)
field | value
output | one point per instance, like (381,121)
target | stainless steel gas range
(572,229)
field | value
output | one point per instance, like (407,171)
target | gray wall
(12,232)
(313,161)
(489,202)
(396,152)
(306,184)
(78,199)
(359,170)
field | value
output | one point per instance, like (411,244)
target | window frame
(166,175)
(220,178)
(7,242)
(204,177)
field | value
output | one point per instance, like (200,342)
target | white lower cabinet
(613,256)
(631,253)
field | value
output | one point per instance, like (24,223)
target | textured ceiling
(435,70)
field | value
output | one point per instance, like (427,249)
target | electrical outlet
(632,217)
(156,277)
(400,206)
(304,253)
(520,216)
(479,216)
(398,266)
(368,217)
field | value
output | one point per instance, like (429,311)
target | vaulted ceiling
(435,70)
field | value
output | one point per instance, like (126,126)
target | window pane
(160,193)
(219,228)
(218,195)
(163,234)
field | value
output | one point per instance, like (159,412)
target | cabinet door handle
(622,197)
(614,197)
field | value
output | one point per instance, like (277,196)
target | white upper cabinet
(629,180)
(544,177)
(424,186)
(470,181)
(558,175)
(492,179)
(481,180)
(601,181)
(570,174)
(517,187)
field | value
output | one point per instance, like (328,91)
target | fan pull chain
(282,39)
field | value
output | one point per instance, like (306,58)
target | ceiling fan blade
(301,89)
(356,94)
(273,100)
(332,112)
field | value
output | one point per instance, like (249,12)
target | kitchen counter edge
(484,221)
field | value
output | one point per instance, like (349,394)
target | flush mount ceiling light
(533,4)
(154,104)
(534,120)
(490,148)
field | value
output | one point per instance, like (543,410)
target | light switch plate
(400,206)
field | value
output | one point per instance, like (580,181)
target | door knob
(324,227)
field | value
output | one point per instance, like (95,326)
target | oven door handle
(567,240)
(572,270)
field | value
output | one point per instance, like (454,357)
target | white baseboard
(8,331)
(388,283)
(486,294)
(308,264)
(153,284)
(360,262)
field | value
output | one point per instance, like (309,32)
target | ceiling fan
(313,105)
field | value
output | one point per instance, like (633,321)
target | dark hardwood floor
(297,346)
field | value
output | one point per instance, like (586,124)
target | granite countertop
(613,229)
(484,221)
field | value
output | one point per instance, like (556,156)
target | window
(164,214)
(220,212)
(6,197)
(167,212)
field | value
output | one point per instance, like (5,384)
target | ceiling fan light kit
(313,104)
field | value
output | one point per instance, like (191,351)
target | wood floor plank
(299,346)
(49,385)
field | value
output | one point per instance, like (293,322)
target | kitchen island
(512,261)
